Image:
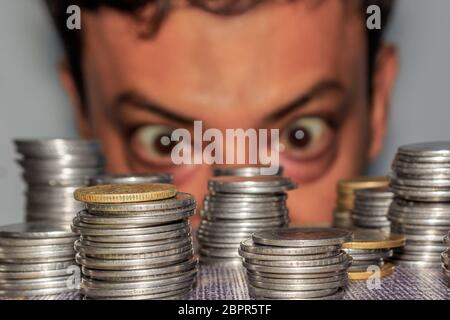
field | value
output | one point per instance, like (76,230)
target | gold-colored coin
(371,240)
(386,270)
(125,193)
(348,186)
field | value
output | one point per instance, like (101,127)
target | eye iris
(163,144)
(299,137)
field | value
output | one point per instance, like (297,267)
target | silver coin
(339,295)
(245,227)
(302,237)
(184,232)
(244,198)
(245,206)
(259,292)
(37,267)
(37,260)
(243,215)
(299,287)
(416,194)
(226,262)
(37,255)
(147,278)
(110,275)
(219,253)
(35,293)
(298,270)
(66,161)
(135,256)
(126,232)
(89,284)
(34,284)
(173,295)
(249,246)
(416,264)
(98,250)
(133,178)
(250,184)
(34,275)
(417,257)
(340,258)
(318,256)
(148,220)
(423,238)
(35,231)
(371,214)
(204,242)
(181,200)
(50,148)
(299,277)
(426,149)
(99,293)
(242,171)
(298,281)
(426,248)
(371,256)
(211,240)
(132,264)
(36,249)
(374,193)
(111,245)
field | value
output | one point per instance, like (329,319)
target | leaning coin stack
(420,180)
(297,263)
(243,171)
(53,170)
(342,215)
(235,208)
(370,250)
(135,242)
(371,209)
(446,258)
(132,178)
(35,260)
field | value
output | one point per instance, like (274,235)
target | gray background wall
(33,104)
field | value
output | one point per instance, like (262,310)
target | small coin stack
(370,250)
(420,180)
(371,209)
(446,258)
(235,208)
(35,260)
(297,263)
(132,178)
(242,171)
(135,242)
(342,215)
(53,170)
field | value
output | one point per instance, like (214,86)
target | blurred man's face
(290,66)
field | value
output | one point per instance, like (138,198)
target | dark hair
(72,39)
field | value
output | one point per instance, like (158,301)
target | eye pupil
(163,144)
(299,137)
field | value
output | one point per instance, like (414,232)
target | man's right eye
(153,143)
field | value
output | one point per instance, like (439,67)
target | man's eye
(153,141)
(306,135)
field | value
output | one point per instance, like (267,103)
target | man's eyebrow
(314,92)
(137,100)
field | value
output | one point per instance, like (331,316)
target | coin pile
(53,170)
(297,263)
(371,209)
(35,260)
(242,171)
(446,258)
(135,242)
(132,178)
(370,251)
(235,208)
(420,180)
(342,215)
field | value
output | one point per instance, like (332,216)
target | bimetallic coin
(374,240)
(302,237)
(125,193)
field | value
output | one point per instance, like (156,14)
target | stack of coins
(420,180)
(132,178)
(342,215)
(53,169)
(371,209)
(243,171)
(296,263)
(35,260)
(135,242)
(235,208)
(446,258)
(370,251)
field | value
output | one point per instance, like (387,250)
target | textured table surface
(229,283)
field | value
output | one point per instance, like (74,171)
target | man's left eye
(153,141)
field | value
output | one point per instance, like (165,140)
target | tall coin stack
(371,209)
(131,178)
(370,251)
(35,260)
(297,263)
(342,215)
(242,171)
(235,208)
(53,170)
(446,258)
(420,180)
(135,242)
